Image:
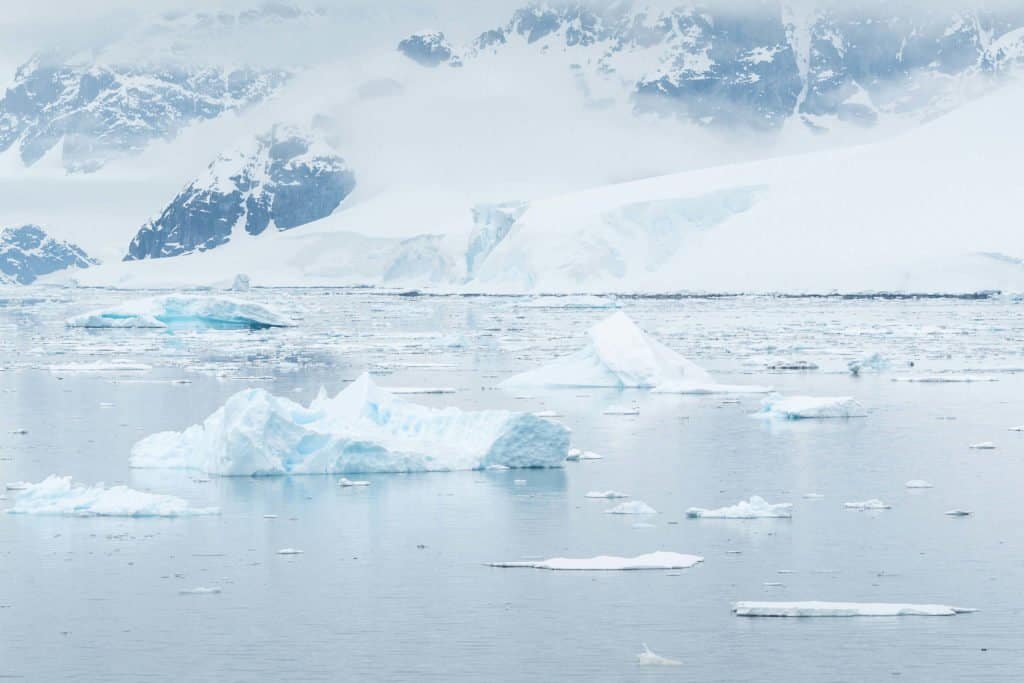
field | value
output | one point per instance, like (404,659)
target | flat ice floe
(656,560)
(872,504)
(57,496)
(745,509)
(606,494)
(810,407)
(362,429)
(946,379)
(620,354)
(182,310)
(633,507)
(983,446)
(816,608)
(918,484)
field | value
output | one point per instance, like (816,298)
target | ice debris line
(656,560)
(754,508)
(183,311)
(362,429)
(58,496)
(843,609)
(809,407)
(620,354)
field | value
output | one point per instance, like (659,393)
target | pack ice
(843,609)
(362,429)
(58,496)
(181,310)
(754,508)
(619,354)
(810,407)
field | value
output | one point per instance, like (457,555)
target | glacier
(57,495)
(620,354)
(361,429)
(756,507)
(183,311)
(809,407)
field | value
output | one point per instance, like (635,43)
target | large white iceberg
(58,496)
(843,609)
(362,429)
(620,354)
(754,508)
(181,310)
(656,560)
(810,407)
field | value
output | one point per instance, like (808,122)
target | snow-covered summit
(27,253)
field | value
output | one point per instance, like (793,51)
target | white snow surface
(745,509)
(184,310)
(362,429)
(843,609)
(620,354)
(657,560)
(810,407)
(57,495)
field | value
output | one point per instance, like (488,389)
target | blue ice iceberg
(362,429)
(183,311)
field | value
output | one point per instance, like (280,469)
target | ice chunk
(241,283)
(620,354)
(289,551)
(983,446)
(622,410)
(578,454)
(873,362)
(843,609)
(1017,429)
(656,560)
(57,496)
(810,407)
(362,429)
(200,590)
(403,391)
(633,507)
(872,504)
(101,366)
(918,484)
(17,485)
(343,482)
(648,658)
(183,311)
(792,364)
(958,513)
(606,494)
(946,379)
(745,509)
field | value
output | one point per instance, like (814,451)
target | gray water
(392,584)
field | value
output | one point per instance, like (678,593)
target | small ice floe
(519,482)
(420,390)
(745,509)
(606,494)
(547,413)
(17,485)
(958,513)
(813,496)
(946,379)
(873,504)
(575,454)
(1017,429)
(919,484)
(810,407)
(350,482)
(102,366)
(289,551)
(843,609)
(648,658)
(21,431)
(873,362)
(983,446)
(792,364)
(269,516)
(57,496)
(622,410)
(633,507)
(200,590)
(656,560)
(106,405)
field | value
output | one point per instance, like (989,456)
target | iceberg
(183,311)
(656,560)
(633,507)
(648,658)
(810,407)
(843,609)
(874,362)
(58,496)
(576,454)
(362,429)
(620,354)
(752,509)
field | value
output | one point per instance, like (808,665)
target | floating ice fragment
(656,560)
(983,446)
(754,508)
(57,496)
(200,590)
(792,364)
(842,609)
(873,504)
(606,494)
(399,391)
(547,413)
(577,454)
(918,484)
(622,410)
(1017,429)
(946,379)
(102,366)
(810,407)
(813,496)
(349,482)
(648,658)
(633,507)
(874,362)
(958,513)
(289,551)
(181,310)
(17,485)
(519,482)
(362,429)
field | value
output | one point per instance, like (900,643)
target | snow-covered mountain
(760,64)
(27,253)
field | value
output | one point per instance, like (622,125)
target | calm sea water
(392,583)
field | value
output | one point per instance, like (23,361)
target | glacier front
(362,429)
